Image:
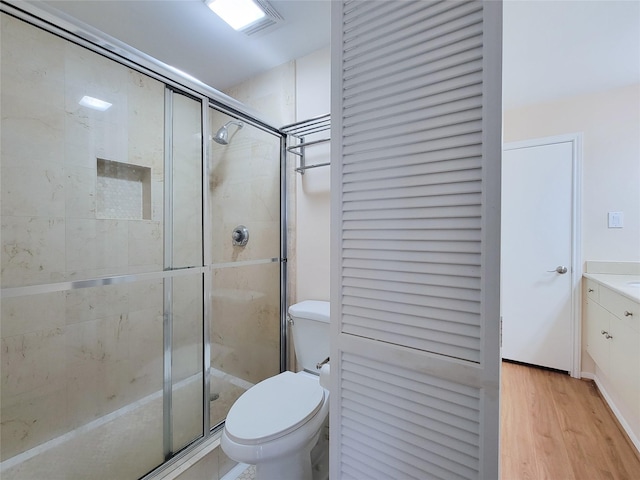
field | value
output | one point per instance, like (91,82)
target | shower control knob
(240,236)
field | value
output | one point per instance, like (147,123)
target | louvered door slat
(430,425)
(429,107)
(407,41)
(409,273)
(405,450)
(411,203)
(447,248)
(436,118)
(452,318)
(449,212)
(426,144)
(444,321)
(417,21)
(432,88)
(468,175)
(415,190)
(361,18)
(398,299)
(391,80)
(431,259)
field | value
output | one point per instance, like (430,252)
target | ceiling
(551,48)
(187,35)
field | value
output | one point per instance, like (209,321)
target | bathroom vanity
(611,328)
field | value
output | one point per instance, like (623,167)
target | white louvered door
(416,145)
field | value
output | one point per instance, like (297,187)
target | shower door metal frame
(47,18)
(167,284)
(201,270)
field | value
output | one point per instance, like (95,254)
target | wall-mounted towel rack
(306,134)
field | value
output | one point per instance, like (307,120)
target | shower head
(222,135)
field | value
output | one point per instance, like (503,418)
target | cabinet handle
(628,313)
(590,290)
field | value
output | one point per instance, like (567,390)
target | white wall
(312,189)
(610,122)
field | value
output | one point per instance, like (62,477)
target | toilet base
(320,454)
(310,464)
(292,467)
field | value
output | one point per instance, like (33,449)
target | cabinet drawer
(622,307)
(592,289)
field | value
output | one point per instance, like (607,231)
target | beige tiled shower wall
(70,357)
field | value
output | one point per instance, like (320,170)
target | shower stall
(143,260)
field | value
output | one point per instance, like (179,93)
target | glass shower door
(244,191)
(82,242)
(184,298)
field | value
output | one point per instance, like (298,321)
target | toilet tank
(310,331)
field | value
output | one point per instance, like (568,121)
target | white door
(537,256)
(415,165)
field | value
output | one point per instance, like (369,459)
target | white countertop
(618,283)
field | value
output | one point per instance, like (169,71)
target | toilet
(276,424)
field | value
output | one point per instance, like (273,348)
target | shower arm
(235,122)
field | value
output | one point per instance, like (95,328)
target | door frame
(576,141)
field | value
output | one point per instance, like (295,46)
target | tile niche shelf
(123,191)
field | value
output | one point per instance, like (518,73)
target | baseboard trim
(635,441)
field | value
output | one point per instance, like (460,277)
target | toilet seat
(274,408)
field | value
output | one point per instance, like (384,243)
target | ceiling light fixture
(237,13)
(94,103)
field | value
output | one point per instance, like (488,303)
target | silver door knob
(561,269)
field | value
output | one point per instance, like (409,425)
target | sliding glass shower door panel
(186,169)
(187,350)
(244,195)
(83,391)
(82,218)
(244,190)
(82,382)
(184,297)
(245,333)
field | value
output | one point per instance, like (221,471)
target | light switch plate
(616,219)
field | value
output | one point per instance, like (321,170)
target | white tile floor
(242,471)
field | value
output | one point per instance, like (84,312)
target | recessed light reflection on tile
(94,103)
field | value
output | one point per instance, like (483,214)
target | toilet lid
(273,408)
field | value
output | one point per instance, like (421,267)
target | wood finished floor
(559,428)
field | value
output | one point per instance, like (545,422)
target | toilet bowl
(275,424)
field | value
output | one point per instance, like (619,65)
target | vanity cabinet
(597,329)
(612,323)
